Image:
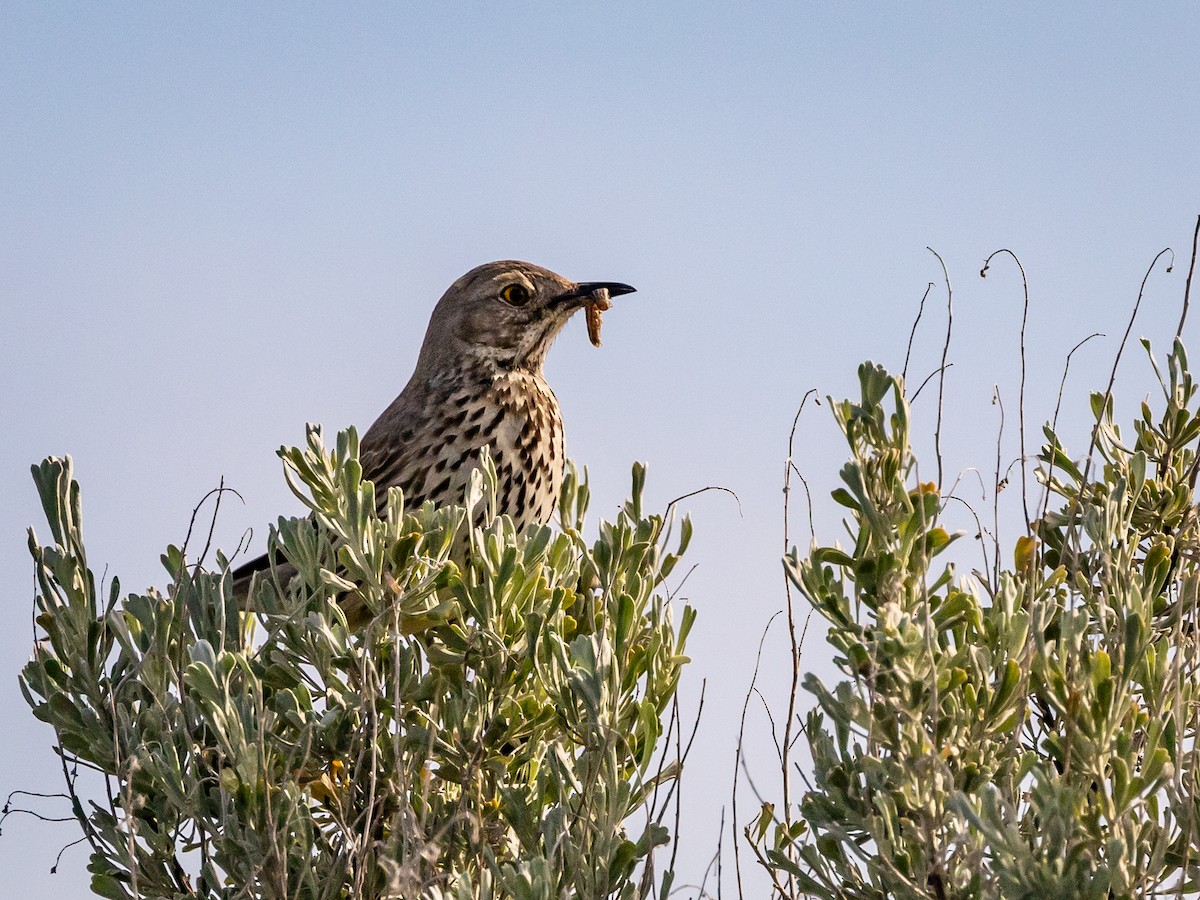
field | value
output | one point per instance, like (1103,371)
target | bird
(478,381)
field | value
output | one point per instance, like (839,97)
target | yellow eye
(515,294)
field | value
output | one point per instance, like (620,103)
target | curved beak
(585,289)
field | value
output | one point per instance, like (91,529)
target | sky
(222,222)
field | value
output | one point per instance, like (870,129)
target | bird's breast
(528,448)
(429,447)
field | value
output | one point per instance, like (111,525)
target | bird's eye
(515,294)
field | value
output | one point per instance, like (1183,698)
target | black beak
(614,288)
(585,289)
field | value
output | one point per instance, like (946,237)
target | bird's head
(505,314)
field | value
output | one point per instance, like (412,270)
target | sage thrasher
(479,382)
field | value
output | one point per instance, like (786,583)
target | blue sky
(220,223)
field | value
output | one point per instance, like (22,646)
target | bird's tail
(244,574)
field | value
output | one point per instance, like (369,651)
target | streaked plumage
(479,381)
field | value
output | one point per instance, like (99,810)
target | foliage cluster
(490,730)
(1030,731)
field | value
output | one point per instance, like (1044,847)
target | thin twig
(219,490)
(212,524)
(812,530)
(928,378)
(711,487)
(996,488)
(1021,398)
(981,532)
(1187,288)
(19,793)
(912,334)
(1112,377)
(22,811)
(58,859)
(681,758)
(937,434)
(737,760)
(1054,421)
(797,643)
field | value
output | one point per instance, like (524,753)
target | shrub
(490,731)
(1029,732)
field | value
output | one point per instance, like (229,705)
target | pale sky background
(221,222)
